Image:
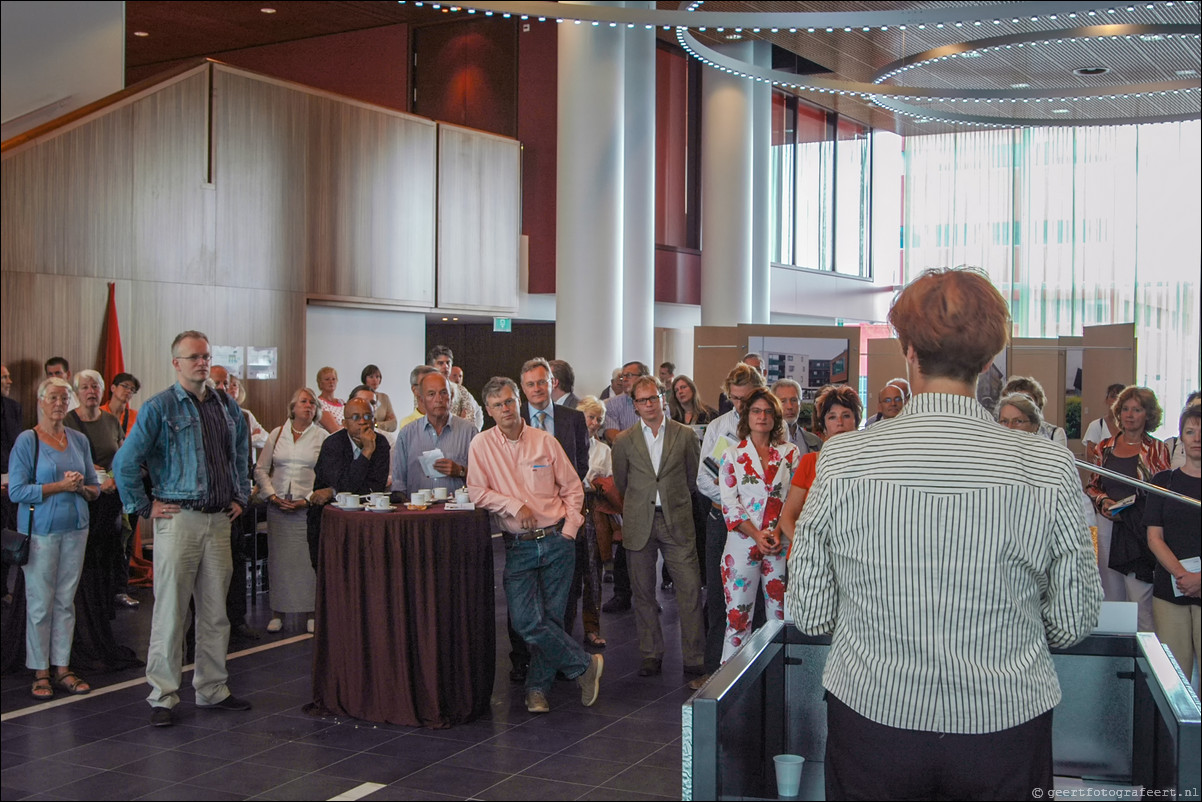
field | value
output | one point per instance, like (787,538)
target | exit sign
(504,324)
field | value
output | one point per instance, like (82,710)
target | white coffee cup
(440,493)
(426,496)
(347,500)
(380,501)
(462,497)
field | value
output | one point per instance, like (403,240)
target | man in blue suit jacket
(568,426)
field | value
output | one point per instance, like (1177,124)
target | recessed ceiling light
(267,10)
(141,33)
(970,54)
(1151,37)
(1020,86)
(1184,73)
(1060,111)
(444,318)
(734,36)
(1089,71)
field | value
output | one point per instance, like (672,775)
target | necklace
(61,441)
(295,433)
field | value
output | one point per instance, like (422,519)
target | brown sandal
(72,683)
(41,689)
(594,639)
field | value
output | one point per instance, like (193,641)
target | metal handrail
(1151,488)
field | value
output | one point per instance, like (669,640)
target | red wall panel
(677,276)
(537,109)
(466,73)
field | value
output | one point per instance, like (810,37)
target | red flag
(114,363)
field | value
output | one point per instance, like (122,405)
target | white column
(726,194)
(588,246)
(638,270)
(761,216)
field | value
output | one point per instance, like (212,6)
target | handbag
(14,546)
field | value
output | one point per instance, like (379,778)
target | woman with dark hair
(1123,556)
(837,409)
(685,406)
(125,387)
(1173,537)
(755,475)
(385,416)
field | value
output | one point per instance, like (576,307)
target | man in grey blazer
(655,469)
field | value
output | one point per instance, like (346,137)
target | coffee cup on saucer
(440,494)
(462,497)
(417,499)
(380,501)
(346,500)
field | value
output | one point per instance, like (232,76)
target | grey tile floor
(101,746)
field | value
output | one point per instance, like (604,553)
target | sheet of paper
(1191,564)
(427,460)
(720,446)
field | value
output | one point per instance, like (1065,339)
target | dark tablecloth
(405,622)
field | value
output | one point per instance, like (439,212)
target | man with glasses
(463,404)
(889,402)
(720,435)
(57,367)
(523,477)
(369,395)
(620,413)
(655,470)
(355,459)
(437,429)
(788,392)
(194,444)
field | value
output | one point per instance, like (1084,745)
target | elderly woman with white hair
(105,568)
(51,480)
(285,475)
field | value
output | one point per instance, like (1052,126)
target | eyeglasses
(540,383)
(197,358)
(129,388)
(366,416)
(897,399)
(508,403)
(631,375)
(648,400)
(1013,423)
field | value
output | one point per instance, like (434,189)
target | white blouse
(600,461)
(286,466)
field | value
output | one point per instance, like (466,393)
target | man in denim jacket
(193,442)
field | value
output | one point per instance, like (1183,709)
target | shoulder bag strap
(37,447)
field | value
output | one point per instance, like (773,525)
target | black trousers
(867,760)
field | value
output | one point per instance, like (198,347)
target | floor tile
(247,779)
(420,747)
(620,750)
(492,757)
(299,755)
(173,765)
(310,786)
(111,785)
(538,739)
(454,780)
(524,788)
(397,793)
(232,745)
(185,792)
(580,770)
(37,776)
(650,779)
(667,757)
(106,754)
(365,767)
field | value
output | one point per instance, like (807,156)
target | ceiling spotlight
(1020,86)
(734,36)
(141,33)
(267,10)
(1186,73)
(1088,71)
(1060,111)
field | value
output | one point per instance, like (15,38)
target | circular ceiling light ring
(986,121)
(1027,39)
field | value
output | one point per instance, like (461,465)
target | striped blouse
(947,554)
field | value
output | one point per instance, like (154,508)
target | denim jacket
(167,439)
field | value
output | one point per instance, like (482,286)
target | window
(821,175)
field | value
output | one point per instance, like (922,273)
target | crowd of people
(590,491)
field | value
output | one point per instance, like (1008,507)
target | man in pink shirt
(523,477)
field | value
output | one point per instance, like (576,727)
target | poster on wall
(811,362)
(261,362)
(230,358)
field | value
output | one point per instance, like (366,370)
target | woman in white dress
(284,474)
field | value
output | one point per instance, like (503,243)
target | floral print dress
(755,493)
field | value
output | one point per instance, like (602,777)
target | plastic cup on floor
(788,774)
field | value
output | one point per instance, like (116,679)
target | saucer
(389,508)
(350,507)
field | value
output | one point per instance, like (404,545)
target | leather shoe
(652,666)
(125,600)
(618,604)
(241,630)
(161,717)
(696,682)
(230,702)
(536,702)
(518,673)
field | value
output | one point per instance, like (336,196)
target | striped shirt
(947,554)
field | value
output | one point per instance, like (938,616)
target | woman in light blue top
(58,493)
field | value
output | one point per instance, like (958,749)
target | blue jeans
(538,574)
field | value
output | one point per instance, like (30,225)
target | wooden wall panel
(322,194)
(170,199)
(1109,359)
(479,225)
(1043,360)
(885,362)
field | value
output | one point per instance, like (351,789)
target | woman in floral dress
(755,478)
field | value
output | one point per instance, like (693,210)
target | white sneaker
(275,625)
(309,626)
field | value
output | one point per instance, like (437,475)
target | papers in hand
(1191,564)
(1122,504)
(427,460)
